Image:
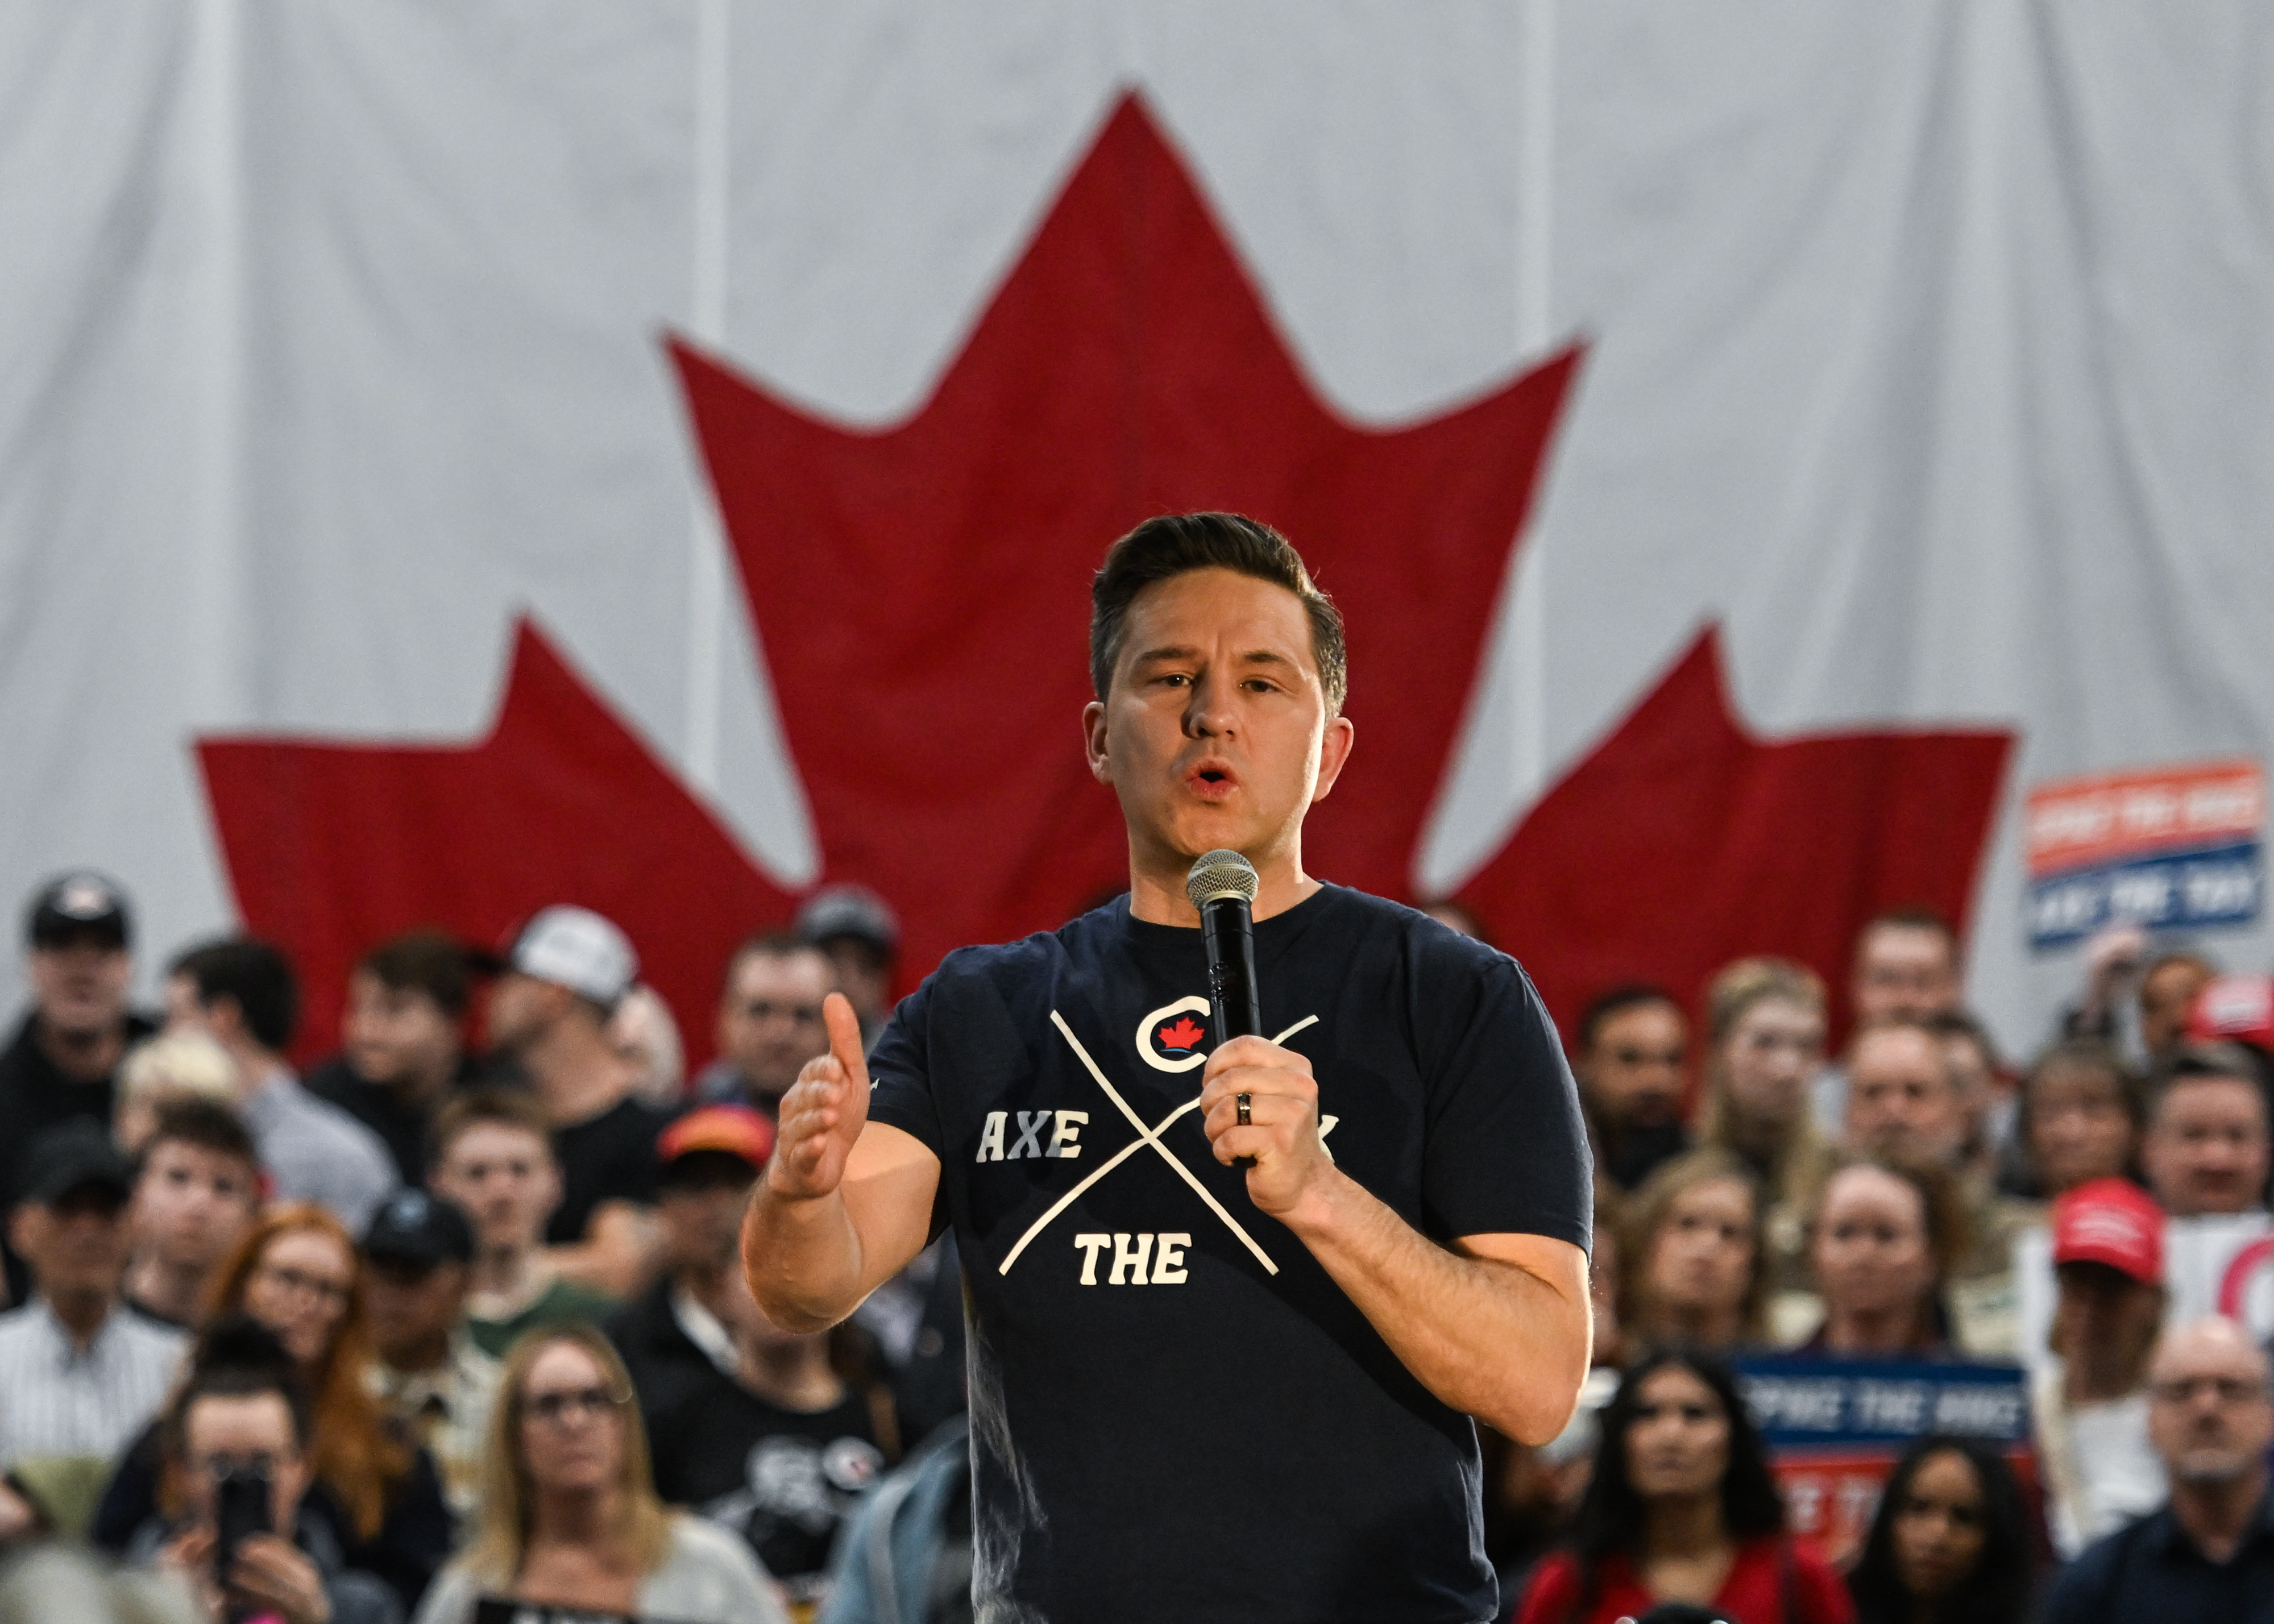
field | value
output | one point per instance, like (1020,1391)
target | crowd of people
(443,1320)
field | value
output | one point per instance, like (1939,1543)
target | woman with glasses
(299,1274)
(569,1517)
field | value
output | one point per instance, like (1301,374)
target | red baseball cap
(735,1129)
(2232,1008)
(2111,1221)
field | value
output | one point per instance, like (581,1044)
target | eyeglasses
(553,1409)
(257,1462)
(2229,1389)
(290,1279)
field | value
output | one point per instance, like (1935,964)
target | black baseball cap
(839,911)
(76,1155)
(416,1228)
(76,906)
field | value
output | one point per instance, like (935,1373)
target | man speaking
(1230,1310)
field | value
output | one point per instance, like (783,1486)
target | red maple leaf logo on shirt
(1184,1035)
(921,593)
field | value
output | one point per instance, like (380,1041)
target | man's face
(80,985)
(505,1179)
(862,973)
(191,1205)
(1633,1068)
(409,1307)
(2166,992)
(1214,732)
(392,1033)
(2206,1150)
(249,1432)
(1902,1099)
(770,1019)
(2208,1414)
(77,1244)
(701,1220)
(522,1010)
(1903,972)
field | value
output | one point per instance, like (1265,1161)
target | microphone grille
(1222,873)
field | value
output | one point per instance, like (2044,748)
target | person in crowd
(2159,991)
(781,1447)
(569,1517)
(855,927)
(80,1374)
(1906,969)
(1950,1543)
(2089,1410)
(196,1197)
(402,1042)
(1990,1096)
(1454,916)
(1606,1287)
(494,1157)
(2083,1116)
(1881,1240)
(671,1334)
(63,1060)
(2210,1553)
(158,1071)
(434,1384)
(241,993)
(1633,1042)
(643,1033)
(297,1274)
(906,1554)
(568,970)
(1683,1508)
(243,1413)
(2205,1152)
(769,1021)
(1697,1274)
(1764,1025)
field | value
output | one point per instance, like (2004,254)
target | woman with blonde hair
(1692,1251)
(298,1274)
(569,1516)
(1764,1032)
(157,1071)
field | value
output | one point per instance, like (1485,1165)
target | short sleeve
(900,1072)
(1506,1152)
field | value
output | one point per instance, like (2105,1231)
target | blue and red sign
(2169,847)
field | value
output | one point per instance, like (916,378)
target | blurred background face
(861,973)
(700,1211)
(1902,1098)
(2079,1129)
(2209,1415)
(1633,1069)
(300,1289)
(1770,1054)
(2206,1149)
(1941,1522)
(1903,971)
(77,1246)
(1702,1255)
(79,987)
(410,1309)
(193,1206)
(1870,1254)
(2105,1322)
(770,1019)
(394,1032)
(571,1424)
(504,1178)
(2166,992)
(1679,1443)
(521,1010)
(242,1432)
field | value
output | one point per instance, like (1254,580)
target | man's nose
(1207,714)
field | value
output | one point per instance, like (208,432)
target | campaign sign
(2169,847)
(1835,1429)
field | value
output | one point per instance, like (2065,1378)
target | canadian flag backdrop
(455,459)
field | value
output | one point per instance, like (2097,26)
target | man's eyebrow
(1151,655)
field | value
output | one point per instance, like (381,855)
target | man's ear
(1093,742)
(1334,751)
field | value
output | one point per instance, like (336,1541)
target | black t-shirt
(1233,1440)
(783,1479)
(610,1157)
(404,1127)
(36,1095)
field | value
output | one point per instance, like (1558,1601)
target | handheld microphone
(1222,885)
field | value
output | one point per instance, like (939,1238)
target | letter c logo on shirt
(1167,1043)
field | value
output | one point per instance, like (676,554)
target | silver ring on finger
(1246,1106)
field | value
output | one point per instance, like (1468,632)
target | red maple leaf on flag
(1683,842)
(1185,1035)
(333,846)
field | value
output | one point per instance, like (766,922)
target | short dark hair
(2199,1060)
(204,1124)
(1911,917)
(769,944)
(255,976)
(1176,544)
(500,1103)
(424,960)
(237,1356)
(1626,995)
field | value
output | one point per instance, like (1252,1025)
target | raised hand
(824,1111)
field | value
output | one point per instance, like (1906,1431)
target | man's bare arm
(1498,1326)
(845,1203)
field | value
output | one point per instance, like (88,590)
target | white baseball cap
(576,948)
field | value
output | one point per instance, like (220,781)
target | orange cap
(735,1129)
